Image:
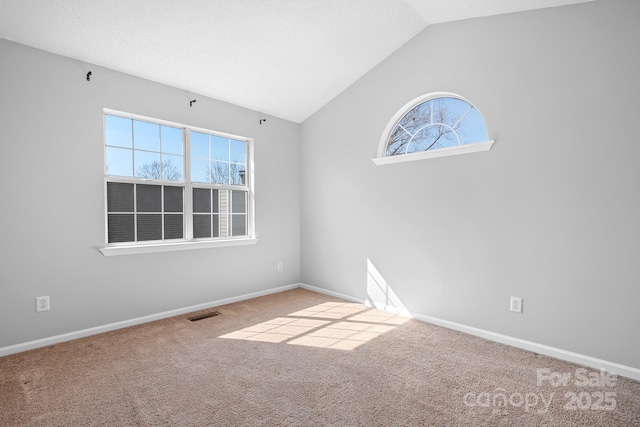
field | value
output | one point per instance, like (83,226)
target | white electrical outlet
(42,303)
(280,266)
(516,304)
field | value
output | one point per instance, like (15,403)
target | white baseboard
(592,362)
(30,345)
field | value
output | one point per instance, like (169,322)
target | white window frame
(383,159)
(188,242)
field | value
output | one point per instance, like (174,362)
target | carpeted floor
(299,358)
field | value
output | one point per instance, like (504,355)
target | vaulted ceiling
(284,58)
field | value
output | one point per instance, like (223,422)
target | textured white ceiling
(285,58)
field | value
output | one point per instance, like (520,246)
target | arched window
(433,125)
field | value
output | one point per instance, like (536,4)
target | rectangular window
(170,183)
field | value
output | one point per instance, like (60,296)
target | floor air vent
(204,316)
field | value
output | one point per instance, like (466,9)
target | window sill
(174,246)
(443,152)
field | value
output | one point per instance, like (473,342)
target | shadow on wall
(380,294)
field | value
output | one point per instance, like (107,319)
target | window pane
(433,137)
(120,228)
(238,151)
(119,197)
(417,118)
(118,131)
(398,141)
(238,225)
(449,110)
(119,162)
(171,140)
(173,227)
(148,198)
(146,136)
(472,128)
(441,113)
(199,145)
(216,226)
(173,199)
(201,200)
(216,200)
(219,173)
(147,165)
(199,170)
(238,201)
(219,148)
(448,138)
(237,173)
(149,227)
(201,226)
(171,167)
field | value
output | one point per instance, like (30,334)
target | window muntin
(433,125)
(150,199)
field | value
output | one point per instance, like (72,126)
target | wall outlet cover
(516,304)
(42,303)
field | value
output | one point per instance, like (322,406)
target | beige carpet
(299,358)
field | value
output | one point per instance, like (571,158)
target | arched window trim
(383,159)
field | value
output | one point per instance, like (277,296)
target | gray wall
(551,214)
(52,216)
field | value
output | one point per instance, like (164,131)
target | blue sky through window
(217,160)
(437,123)
(140,149)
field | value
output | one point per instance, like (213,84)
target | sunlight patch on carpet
(276,330)
(330,310)
(336,325)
